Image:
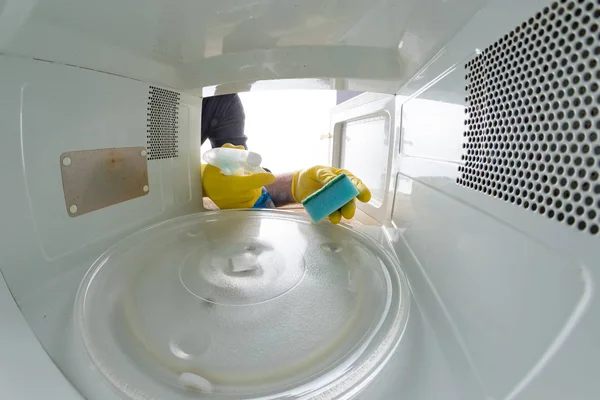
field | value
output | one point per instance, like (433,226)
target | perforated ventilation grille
(162,128)
(532,121)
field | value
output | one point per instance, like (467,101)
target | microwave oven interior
(477,130)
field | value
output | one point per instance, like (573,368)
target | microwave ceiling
(189,44)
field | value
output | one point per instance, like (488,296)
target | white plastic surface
(47,109)
(189,44)
(26,371)
(515,291)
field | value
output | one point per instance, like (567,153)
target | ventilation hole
(162,124)
(533,116)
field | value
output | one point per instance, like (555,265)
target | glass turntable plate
(242,304)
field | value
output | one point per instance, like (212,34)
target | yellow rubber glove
(308,181)
(230,191)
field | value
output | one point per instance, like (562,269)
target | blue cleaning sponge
(330,197)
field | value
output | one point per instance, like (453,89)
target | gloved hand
(229,191)
(308,181)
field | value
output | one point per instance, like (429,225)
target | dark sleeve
(223,120)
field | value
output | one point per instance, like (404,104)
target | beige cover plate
(94,179)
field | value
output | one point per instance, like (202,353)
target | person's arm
(281,190)
(223,120)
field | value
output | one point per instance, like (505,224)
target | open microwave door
(364,142)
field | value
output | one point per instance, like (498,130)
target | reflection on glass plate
(242,304)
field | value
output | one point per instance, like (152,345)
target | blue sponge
(330,197)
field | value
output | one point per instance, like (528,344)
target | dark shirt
(223,120)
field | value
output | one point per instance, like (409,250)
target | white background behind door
(285,127)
